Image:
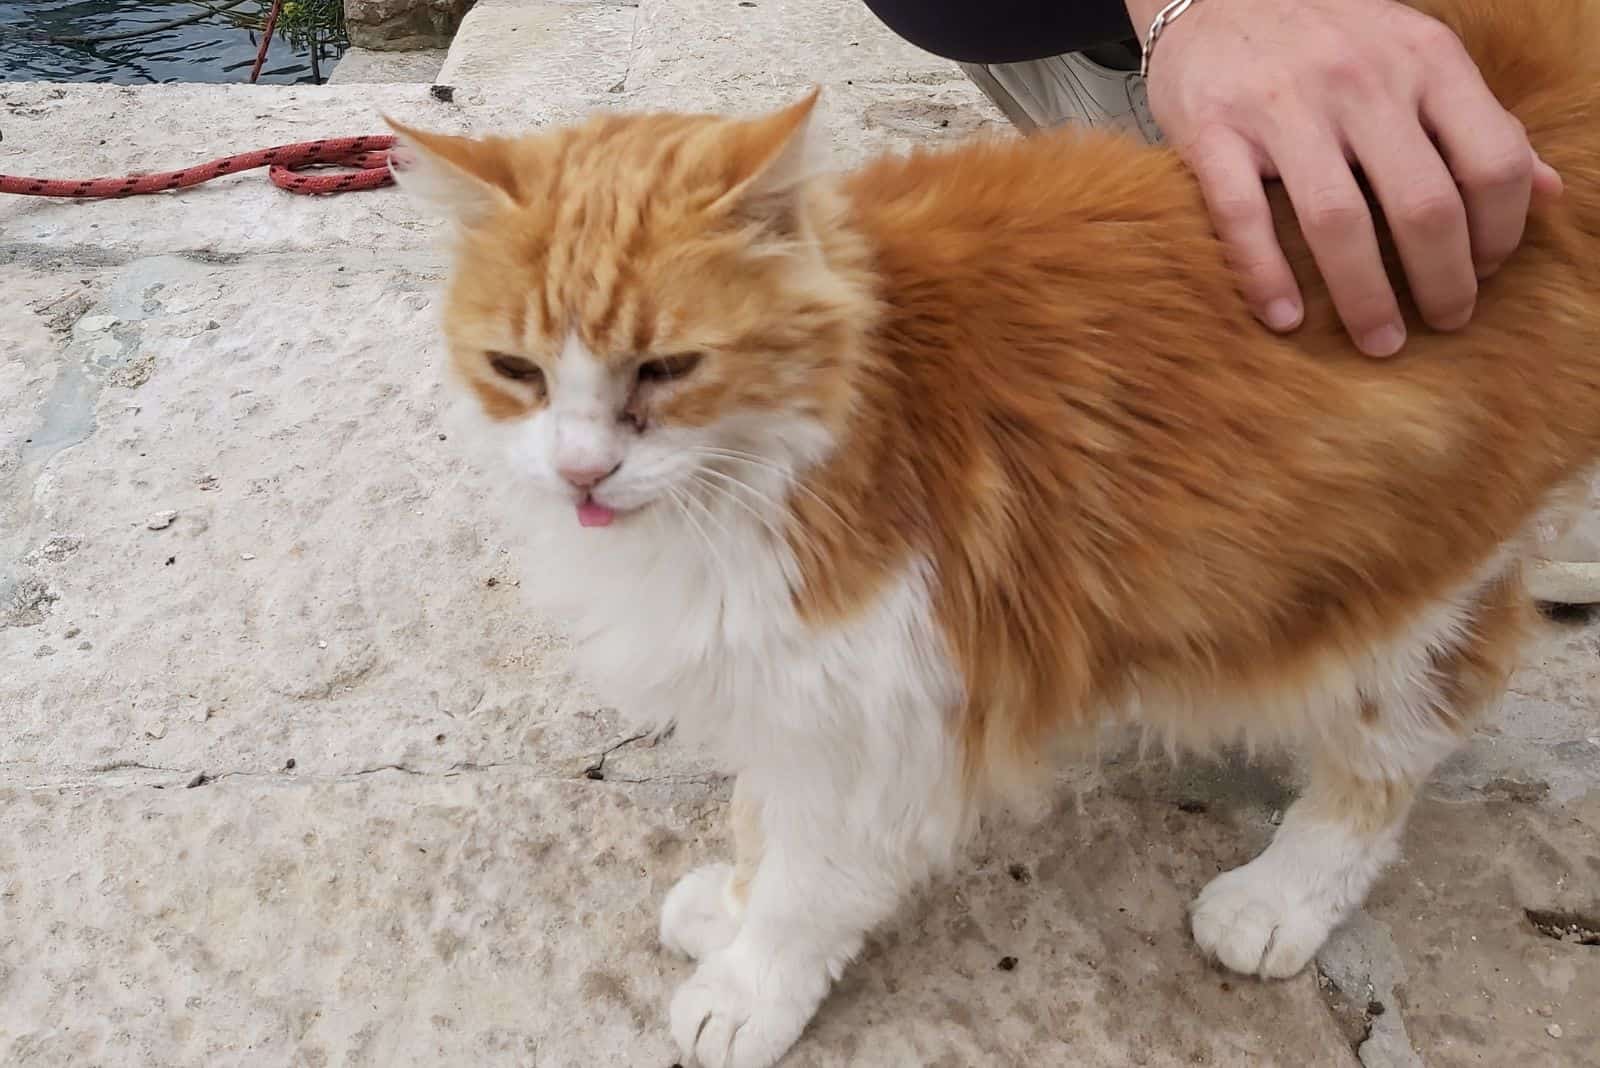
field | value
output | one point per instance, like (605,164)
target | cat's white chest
(703,632)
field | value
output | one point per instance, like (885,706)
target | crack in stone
(454,769)
(190,779)
(708,781)
(124,765)
(633,50)
(1571,927)
(390,767)
(597,770)
(423,262)
(1351,1016)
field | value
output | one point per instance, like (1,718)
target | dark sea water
(207,51)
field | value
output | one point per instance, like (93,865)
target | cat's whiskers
(787,477)
(681,500)
(792,533)
(777,507)
(656,523)
(797,536)
(710,514)
(777,534)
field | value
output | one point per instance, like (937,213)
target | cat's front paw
(742,1011)
(697,918)
(1255,921)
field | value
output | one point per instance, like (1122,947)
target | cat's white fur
(684,614)
(843,736)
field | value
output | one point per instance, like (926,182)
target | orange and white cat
(881,484)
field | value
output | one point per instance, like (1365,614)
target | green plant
(305,23)
(315,27)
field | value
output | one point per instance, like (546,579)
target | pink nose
(586,477)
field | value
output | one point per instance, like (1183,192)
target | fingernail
(1458,320)
(1384,341)
(1283,314)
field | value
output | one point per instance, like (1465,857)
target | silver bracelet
(1158,25)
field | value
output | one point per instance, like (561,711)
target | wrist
(1141,13)
(1152,20)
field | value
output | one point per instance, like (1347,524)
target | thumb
(1547,183)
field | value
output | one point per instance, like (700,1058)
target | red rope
(266,40)
(370,155)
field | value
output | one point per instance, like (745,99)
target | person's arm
(1300,90)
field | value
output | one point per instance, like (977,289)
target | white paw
(1254,921)
(696,919)
(741,1012)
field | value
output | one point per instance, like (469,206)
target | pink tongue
(591,514)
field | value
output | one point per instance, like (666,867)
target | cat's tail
(1541,58)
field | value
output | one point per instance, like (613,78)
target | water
(209,51)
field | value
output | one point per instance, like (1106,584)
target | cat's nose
(586,476)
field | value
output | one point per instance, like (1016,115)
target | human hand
(1253,89)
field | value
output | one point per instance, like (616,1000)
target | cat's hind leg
(1271,915)
(702,911)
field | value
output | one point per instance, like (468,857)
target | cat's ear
(768,158)
(463,178)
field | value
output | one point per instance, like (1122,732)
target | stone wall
(401,25)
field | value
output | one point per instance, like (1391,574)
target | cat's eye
(667,368)
(515,368)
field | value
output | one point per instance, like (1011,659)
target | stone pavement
(288,776)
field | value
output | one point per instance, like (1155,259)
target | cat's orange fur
(1123,479)
(1060,396)
(1043,383)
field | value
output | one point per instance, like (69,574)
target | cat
(881,485)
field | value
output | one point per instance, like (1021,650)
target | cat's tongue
(591,514)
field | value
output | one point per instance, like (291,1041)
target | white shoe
(1072,88)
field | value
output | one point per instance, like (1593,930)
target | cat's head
(641,298)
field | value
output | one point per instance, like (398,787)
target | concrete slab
(244,617)
(499,916)
(366,65)
(1546,734)
(685,45)
(879,92)
(237,215)
(538,46)
(289,775)
(1456,947)
(478,918)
